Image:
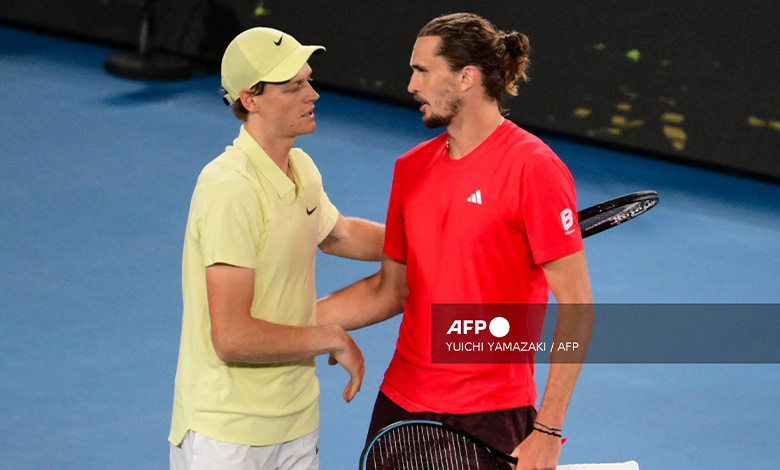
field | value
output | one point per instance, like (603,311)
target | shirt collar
(263,164)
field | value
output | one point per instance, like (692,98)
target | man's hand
(537,452)
(351,359)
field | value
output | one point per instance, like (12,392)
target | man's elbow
(226,349)
(328,246)
(397,302)
(400,300)
(325,315)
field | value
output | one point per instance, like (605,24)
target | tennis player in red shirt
(483,213)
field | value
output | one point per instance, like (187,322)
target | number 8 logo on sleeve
(567,219)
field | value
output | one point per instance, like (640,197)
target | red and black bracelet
(543,428)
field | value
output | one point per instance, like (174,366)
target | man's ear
(469,77)
(249,100)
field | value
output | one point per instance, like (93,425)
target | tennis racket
(614,212)
(430,445)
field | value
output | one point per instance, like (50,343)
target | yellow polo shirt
(246,212)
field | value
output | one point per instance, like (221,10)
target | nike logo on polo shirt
(476,198)
(279,42)
(310,212)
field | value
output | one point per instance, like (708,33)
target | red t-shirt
(474,230)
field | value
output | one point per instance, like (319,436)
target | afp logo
(498,327)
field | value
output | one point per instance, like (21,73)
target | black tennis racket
(614,212)
(430,445)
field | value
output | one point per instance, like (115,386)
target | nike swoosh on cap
(279,42)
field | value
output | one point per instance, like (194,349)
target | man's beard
(438,120)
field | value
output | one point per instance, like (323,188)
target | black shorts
(502,429)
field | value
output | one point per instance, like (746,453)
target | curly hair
(468,39)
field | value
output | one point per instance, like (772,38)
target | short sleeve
(548,209)
(328,216)
(395,246)
(230,223)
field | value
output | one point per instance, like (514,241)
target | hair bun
(516,44)
(514,51)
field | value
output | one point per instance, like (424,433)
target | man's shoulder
(528,144)
(530,158)
(222,173)
(422,153)
(526,151)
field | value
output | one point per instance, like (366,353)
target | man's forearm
(574,325)
(361,239)
(363,303)
(256,341)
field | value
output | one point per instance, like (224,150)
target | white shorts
(198,452)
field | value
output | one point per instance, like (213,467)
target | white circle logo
(499,327)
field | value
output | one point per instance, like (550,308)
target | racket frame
(492,451)
(648,198)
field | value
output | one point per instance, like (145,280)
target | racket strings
(616,215)
(422,447)
(605,216)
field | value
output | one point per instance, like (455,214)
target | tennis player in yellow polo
(246,393)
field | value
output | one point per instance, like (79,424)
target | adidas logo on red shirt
(476,198)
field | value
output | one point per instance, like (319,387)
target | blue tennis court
(96,175)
